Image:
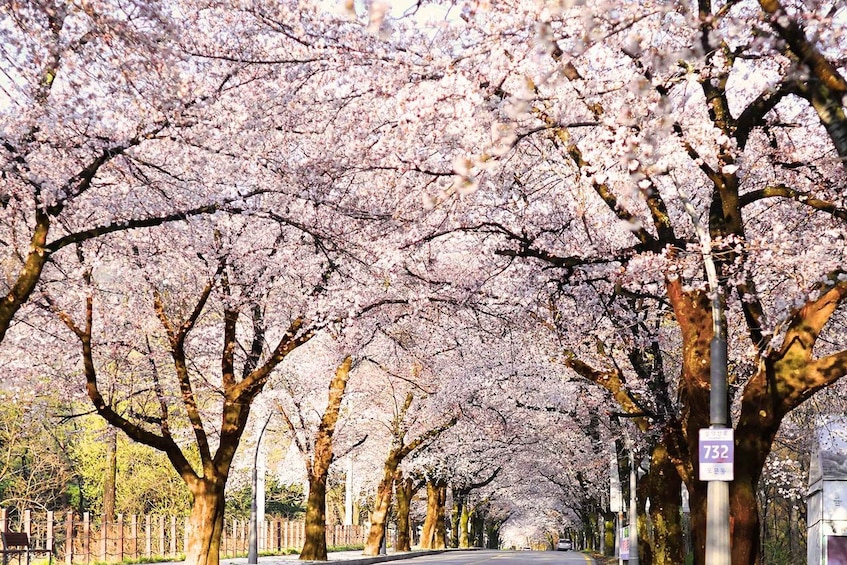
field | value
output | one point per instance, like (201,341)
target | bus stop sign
(717,452)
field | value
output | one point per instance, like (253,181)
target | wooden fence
(83,539)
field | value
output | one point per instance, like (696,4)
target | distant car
(564,545)
(526,548)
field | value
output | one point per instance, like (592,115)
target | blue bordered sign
(717,453)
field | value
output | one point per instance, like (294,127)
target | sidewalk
(348,557)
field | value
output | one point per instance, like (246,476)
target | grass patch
(153,559)
(359,547)
(159,559)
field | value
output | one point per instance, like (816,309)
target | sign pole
(717,494)
(253,538)
(633,511)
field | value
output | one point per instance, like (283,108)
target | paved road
(450,557)
(503,558)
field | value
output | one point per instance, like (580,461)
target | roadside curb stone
(341,557)
(379,558)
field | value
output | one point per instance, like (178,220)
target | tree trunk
(399,450)
(744,522)
(440,541)
(207,487)
(694,314)
(762,410)
(478,527)
(314,546)
(609,536)
(464,522)
(493,530)
(405,490)
(205,522)
(428,530)
(458,506)
(381,506)
(664,487)
(645,547)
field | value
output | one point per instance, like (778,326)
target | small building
(826,501)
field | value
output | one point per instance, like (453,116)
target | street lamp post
(253,538)
(633,510)
(348,493)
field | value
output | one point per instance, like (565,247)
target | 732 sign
(717,451)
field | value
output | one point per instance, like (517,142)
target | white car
(564,545)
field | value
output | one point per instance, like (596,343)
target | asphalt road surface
(486,557)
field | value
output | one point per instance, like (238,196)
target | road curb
(380,558)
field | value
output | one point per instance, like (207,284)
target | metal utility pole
(616,500)
(253,538)
(717,493)
(348,493)
(633,510)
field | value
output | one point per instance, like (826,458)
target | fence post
(162,535)
(148,537)
(104,538)
(234,537)
(28,522)
(224,539)
(173,535)
(241,540)
(48,543)
(69,538)
(134,533)
(242,534)
(120,536)
(86,536)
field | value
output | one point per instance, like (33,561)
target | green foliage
(35,470)
(146,481)
(52,459)
(779,552)
(283,500)
(354,547)
(179,557)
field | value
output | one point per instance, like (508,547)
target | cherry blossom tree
(621,118)
(324,427)
(318,455)
(92,102)
(403,443)
(156,414)
(546,164)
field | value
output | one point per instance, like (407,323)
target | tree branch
(613,382)
(804,198)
